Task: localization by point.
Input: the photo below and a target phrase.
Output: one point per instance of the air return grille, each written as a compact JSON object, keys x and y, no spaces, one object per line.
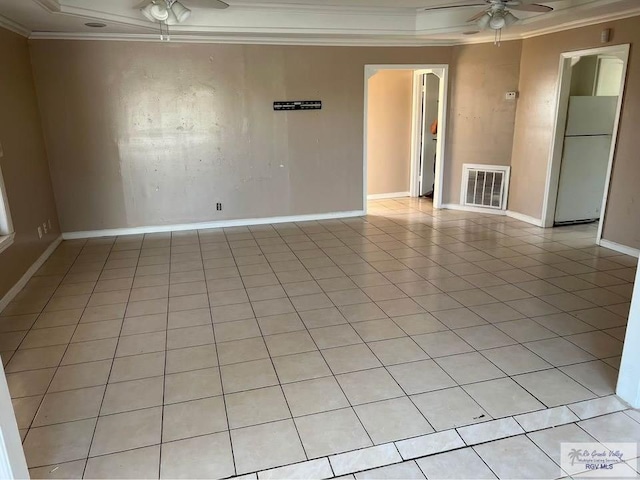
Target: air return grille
{"x":485,"y":186}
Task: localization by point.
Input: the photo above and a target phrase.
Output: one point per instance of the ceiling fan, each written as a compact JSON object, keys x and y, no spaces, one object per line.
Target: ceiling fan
{"x":172,"y":12}
{"x":498,"y":14}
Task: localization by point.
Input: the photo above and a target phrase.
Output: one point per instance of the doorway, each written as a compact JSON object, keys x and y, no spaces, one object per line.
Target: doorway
{"x":422,"y":158}
{"x":589,"y":100}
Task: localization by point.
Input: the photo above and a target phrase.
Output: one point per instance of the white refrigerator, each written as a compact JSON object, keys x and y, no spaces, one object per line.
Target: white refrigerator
{"x":585,"y":157}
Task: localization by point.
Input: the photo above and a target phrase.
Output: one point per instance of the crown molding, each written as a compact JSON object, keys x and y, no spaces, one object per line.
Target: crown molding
{"x":14,"y":27}
{"x":632,"y":12}
{"x":486,"y":39}
{"x":246,"y":40}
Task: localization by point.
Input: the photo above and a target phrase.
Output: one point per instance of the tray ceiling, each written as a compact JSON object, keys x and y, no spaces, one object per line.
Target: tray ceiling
{"x":363,"y":22}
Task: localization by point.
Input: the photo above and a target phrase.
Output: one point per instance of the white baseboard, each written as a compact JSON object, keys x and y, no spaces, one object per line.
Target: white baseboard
{"x":470,"y":208}
{"x":10,"y":295}
{"x":525,"y":218}
{"x":634,"y":252}
{"x":382,"y":196}
{"x":492,"y":211}
{"x":216,"y":224}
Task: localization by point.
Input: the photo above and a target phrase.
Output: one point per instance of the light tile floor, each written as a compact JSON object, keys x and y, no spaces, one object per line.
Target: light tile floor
{"x":321,"y":349}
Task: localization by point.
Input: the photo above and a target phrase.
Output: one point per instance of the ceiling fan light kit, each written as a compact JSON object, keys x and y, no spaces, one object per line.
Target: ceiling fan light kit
{"x":497,"y":21}
{"x":158,"y":12}
{"x":171,"y":19}
{"x":173,"y":12}
{"x":166,"y":11}
{"x":180,"y":11}
{"x":483,"y":23}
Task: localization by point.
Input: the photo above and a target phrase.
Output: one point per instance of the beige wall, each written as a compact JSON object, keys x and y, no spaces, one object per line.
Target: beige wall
{"x":480,"y":125}
{"x":151,"y":133}
{"x":534,"y":127}
{"x":24,"y":165}
{"x":389,"y":122}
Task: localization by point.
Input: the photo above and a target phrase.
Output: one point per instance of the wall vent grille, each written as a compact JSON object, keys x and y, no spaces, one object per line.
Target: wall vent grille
{"x":485,"y":186}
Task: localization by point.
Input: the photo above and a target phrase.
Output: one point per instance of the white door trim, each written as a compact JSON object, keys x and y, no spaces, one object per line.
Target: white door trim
{"x":557,"y":142}
{"x":442,"y":72}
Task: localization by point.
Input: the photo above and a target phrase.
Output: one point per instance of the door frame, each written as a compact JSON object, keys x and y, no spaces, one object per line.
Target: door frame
{"x":416,"y":127}
{"x":563,"y":87}
{"x":442,"y":72}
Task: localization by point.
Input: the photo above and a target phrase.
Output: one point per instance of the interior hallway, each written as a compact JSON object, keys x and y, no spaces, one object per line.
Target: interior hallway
{"x":216,"y":353}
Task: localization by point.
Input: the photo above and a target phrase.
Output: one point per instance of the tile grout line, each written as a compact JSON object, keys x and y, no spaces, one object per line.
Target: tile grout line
{"x":29,"y":428}
{"x":281,"y":389}
{"x":375,"y":356}
{"x":166,"y":350}
{"x":113,"y":360}
{"x":224,"y":399}
{"x":334,"y":376}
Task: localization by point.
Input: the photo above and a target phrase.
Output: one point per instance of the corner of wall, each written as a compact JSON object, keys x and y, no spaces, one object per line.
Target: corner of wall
{"x":25,"y":165}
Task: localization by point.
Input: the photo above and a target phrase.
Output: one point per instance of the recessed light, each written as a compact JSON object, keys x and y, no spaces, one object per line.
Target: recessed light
{"x":96,"y":25}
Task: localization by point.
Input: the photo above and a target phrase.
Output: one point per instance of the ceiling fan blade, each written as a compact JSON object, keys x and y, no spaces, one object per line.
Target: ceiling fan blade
{"x":461,"y":5}
{"x":217,"y":4}
{"x":471,"y":32}
{"x":477,"y":16}
{"x":143,"y":4}
{"x":531,"y":7}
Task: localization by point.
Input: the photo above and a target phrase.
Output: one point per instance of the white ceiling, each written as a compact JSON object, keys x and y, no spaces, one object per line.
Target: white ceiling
{"x":365,"y":22}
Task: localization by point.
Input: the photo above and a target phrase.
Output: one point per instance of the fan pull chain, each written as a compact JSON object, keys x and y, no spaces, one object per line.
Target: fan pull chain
{"x":163,"y":37}
{"x":497,"y":39}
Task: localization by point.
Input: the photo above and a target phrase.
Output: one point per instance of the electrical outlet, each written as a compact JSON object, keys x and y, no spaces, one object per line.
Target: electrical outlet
{"x":39,"y":232}
{"x":44,"y":227}
{"x":219,"y":207}
{"x":511,"y":95}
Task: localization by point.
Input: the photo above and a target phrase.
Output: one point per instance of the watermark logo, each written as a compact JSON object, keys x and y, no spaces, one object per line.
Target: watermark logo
{"x":613,"y":460}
